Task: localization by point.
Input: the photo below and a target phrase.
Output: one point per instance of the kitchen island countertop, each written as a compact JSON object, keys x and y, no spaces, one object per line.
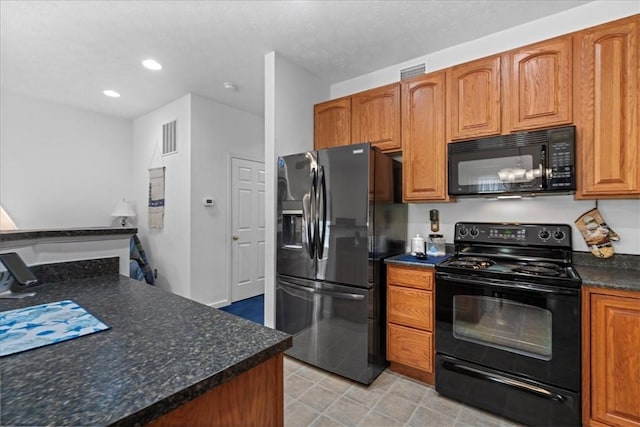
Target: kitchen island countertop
{"x":161,"y":351}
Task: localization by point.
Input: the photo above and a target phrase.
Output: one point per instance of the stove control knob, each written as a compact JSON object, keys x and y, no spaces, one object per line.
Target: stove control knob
{"x":474,"y":232}
{"x":559,"y":235}
{"x":543,"y":234}
{"x":462,"y":232}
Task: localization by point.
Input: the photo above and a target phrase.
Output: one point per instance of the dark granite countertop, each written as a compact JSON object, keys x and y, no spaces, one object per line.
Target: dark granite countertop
{"x":618,"y":272}
{"x":16,"y":235}
{"x":162,"y":350}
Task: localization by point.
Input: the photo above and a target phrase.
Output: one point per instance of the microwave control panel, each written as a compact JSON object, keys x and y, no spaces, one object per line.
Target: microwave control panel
{"x":562,"y":159}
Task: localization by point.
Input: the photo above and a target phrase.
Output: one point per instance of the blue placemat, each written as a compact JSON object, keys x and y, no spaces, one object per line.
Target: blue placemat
{"x":39,"y":325}
{"x":430,"y":260}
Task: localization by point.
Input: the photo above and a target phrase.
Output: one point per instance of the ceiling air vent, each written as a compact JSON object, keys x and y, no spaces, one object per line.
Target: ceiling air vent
{"x":169,"y":138}
{"x":416,"y":70}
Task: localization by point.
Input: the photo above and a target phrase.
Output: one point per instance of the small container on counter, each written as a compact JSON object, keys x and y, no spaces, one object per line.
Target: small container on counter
{"x":417,"y":245}
{"x":436,"y":245}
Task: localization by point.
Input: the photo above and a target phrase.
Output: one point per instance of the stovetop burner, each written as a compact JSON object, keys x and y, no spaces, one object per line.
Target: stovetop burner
{"x":475,"y":263}
{"x":533,"y":253}
{"x":538,"y":270}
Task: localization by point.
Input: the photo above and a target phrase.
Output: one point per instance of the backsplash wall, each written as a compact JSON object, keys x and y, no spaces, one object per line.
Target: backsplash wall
{"x":623,"y":216}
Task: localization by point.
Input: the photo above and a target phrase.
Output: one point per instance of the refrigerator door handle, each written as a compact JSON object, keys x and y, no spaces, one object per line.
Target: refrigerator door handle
{"x":310,"y":215}
{"x":350,"y":296}
{"x":322,"y":211}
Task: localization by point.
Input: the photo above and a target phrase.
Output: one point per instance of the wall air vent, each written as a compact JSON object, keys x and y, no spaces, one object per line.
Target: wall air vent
{"x":416,"y":70}
{"x":169,"y":138}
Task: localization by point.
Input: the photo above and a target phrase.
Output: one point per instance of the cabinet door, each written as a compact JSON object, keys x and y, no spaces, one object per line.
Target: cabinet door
{"x":376,"y":117}
{"x":332,"y":123}
{"x":539,"y":88}
{"x":608,"y":110}
{"x":410,"y":307}
{"x":423,"y":138}
{"x":615,"y":360}
{"x":411,"y":277}
{"x":410,"y":347}
{"x":474,"y":98}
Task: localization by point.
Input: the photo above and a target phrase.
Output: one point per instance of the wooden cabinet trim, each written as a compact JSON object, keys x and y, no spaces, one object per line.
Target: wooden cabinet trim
{"x":332,"y":123}
{"x":411,"y":347}
{"x":375,"y":117}
{"x":410,"y":307}
{"x":474,"y":99}
{"x":413,"y":277}
{"x":596,"y":399}
{"x":607,"y":95}
{"x":539,"y":86}
{"x":424,"y":139}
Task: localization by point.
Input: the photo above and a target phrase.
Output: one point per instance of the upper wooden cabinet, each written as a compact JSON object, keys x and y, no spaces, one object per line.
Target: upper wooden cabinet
{"x":538,"y":85}
{"x":375,"y":117}
{"x":332,"y":123}
{"x":423,"y":138}
{"x":473,"y":98}
{"x":608,"y":109}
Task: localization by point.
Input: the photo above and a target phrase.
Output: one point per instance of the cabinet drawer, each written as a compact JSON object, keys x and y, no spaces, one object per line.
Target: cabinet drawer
{"x":410,"y":307}
{"x":419,"y":278}
{"x":410,"y":347}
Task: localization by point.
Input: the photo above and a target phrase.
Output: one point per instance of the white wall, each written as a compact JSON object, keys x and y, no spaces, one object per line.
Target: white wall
{"x":60,"y":166}
{"x":575,"y":19}
{"x":217,"y":131}
{"x":622,"y":215}
{"x":290,"y":93}
{"x":169,"y":249}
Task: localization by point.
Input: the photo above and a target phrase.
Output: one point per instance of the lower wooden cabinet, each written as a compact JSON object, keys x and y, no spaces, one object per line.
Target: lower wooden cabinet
{"x":410,"y":340}
{"x":610,"y":357}
{"x":254,"y":398}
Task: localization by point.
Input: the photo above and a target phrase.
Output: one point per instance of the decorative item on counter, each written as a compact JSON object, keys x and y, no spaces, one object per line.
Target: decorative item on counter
{"x":123,"y":210}
{"x":436,"y":245}
{"x":434,"y":218}
{"x":597,"y":234}
{"x":417,"y":245}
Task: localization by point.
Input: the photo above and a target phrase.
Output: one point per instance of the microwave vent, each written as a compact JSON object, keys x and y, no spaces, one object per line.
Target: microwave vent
{"x":513,"y":140}
{"x":416,"y":70}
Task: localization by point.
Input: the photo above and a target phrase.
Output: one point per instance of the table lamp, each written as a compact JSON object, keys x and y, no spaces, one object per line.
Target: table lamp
{"x":123,"y":210}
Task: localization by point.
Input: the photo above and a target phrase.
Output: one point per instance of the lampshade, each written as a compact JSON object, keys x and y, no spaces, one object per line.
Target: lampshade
{"x":123,"y":209}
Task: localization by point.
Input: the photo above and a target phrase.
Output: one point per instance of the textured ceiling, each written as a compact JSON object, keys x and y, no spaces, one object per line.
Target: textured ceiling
{"x":70,"y":51}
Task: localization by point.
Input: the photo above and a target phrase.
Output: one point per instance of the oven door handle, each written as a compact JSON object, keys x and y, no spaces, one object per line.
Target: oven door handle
{"x":508,"y":284}
{"x":538,"y":391}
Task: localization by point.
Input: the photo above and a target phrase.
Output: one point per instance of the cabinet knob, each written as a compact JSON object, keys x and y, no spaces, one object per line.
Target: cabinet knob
{"x":235,"y":237}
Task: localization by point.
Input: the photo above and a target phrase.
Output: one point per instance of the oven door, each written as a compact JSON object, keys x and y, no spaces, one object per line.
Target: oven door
{"x":523,"y":329}
{"x":500,"y":169}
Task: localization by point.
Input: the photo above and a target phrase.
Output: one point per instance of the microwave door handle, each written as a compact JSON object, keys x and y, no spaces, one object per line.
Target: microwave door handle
{"x":545,"y":172}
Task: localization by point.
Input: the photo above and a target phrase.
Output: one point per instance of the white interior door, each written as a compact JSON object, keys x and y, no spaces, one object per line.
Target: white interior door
{"x":247,"y":227}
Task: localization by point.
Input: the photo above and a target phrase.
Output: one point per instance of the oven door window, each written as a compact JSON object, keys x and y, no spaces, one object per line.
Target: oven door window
{"x":503,"y":324}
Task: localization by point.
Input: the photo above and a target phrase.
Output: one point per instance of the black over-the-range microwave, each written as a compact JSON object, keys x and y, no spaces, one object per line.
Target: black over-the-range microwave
{"x":523,"y":163}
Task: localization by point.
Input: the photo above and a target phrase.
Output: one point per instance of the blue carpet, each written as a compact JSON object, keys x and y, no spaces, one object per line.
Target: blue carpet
{"x":250,"y":308}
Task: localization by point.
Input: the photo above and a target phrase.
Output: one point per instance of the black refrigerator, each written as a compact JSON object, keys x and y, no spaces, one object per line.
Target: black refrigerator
{"x":340,"y":214}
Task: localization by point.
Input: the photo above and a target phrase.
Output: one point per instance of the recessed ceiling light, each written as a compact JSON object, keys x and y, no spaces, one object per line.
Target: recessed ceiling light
{"x":229,"y":85}
{"x":152,"y":64}
{"x":111,"y":93}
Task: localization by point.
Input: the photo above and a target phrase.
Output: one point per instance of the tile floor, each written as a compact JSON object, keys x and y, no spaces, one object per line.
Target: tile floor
{"x":319,"y":399}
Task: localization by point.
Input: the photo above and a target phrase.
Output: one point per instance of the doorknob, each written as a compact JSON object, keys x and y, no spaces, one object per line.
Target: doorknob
{"x":235,"y":237}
